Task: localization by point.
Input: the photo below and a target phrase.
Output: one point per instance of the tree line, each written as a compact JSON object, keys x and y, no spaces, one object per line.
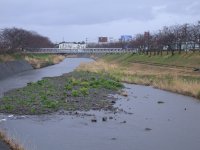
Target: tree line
{"x":172,"y":38}
{"x":15,"y":39}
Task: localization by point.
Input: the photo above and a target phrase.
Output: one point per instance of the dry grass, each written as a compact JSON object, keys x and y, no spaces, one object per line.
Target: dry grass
{"x":177,"y":80}
{"x":57,"y":58}
{"x":42,"y":62}
{"x":36,"y":60}
{"x":6,"y":58}
{"x":180,"y":86}
{"x":10,"y":142}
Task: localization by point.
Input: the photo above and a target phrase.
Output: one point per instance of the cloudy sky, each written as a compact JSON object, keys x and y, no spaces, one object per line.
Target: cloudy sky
{"x":76,"y":20}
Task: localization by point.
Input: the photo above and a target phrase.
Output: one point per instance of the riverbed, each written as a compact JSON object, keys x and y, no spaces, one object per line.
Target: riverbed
{"x":151,"y":119}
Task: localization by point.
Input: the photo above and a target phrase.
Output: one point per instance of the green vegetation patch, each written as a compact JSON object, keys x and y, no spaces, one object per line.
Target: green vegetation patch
{"x":73,"y":91}
{"x":40,"y":97}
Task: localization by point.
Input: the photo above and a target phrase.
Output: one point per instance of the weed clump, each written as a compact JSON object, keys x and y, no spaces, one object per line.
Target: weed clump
{"x":75,"y":93}
{"x":83,"y":84}
{"x":84,"y":91}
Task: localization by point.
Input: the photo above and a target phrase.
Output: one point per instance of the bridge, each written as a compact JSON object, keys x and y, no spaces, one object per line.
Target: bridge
{"x":78,"y":51}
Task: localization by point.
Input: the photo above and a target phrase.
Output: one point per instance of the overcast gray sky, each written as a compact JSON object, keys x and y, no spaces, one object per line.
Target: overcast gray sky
{"x":76,"y":20}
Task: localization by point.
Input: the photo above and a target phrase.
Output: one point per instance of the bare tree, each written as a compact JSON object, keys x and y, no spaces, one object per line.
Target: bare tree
{"x":14,"y":39}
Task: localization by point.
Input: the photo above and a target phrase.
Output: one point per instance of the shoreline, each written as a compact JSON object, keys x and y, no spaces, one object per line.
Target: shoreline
{"x":41,"y":61}
{"x":9,"y":142}
{"x":16,"y":63}
{"x":36,"y":60}
{"x":174,"y":80}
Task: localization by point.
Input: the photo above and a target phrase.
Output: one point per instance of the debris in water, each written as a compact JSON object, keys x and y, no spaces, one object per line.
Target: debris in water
{"x":94,"y":120}
{"x":110,"y":117}
{"x":104,"y":119}
{"x":160,"y":102}
{"x":113,"y":102}
{"x":124,"y":93}
{"x":123,"y":121}
{"x":148,"y":129}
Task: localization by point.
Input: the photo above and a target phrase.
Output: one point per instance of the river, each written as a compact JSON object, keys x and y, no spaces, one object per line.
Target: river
{"x":144,"y":124}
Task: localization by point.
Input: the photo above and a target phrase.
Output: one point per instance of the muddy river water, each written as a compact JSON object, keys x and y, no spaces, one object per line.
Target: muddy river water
{"x":152,"y":119}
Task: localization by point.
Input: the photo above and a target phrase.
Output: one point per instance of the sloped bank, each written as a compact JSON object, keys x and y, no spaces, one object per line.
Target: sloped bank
{"x":11,"y":64}
{"x":13,"y":67}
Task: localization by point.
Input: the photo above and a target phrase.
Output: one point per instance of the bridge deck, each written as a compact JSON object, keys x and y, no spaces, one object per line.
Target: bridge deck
{"x":78,"y":51}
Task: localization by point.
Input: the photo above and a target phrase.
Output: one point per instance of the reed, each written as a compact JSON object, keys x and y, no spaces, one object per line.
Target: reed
{"x":172,"y":79}
{"x":6,"y":58}
{"x":39,"y":62}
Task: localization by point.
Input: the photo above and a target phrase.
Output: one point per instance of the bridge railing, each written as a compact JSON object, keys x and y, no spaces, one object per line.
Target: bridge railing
{"x":77,"y":51}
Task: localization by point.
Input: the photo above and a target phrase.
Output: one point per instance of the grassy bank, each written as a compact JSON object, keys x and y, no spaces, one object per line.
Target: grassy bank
{"x":126,"y":68}
{"x":36,"y":60}
{"x":190,"y":59}
{"x":73,"y":91}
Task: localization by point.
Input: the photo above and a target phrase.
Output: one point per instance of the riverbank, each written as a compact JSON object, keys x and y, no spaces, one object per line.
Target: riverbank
{"x":184,"y":60}
{"x":13,"y":67}
{"x":7,"y":143}
{"x":145,"y":70}
{"x":12,"y":64}
{"x":36,"y":60}
{"x":43,"y":60}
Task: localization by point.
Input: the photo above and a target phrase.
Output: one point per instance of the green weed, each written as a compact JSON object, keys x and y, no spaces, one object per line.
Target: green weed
{"x":75,"y":93}
{"x":84,"y":91}
{"x":68,"y":87}
{"x":51,"y":104}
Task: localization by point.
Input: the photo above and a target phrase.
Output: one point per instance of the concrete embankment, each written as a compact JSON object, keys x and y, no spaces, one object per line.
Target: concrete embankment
{"x":12,"y":67}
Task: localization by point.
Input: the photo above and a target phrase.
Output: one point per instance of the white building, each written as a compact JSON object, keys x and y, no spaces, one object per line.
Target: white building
{"x":72,"y":45}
